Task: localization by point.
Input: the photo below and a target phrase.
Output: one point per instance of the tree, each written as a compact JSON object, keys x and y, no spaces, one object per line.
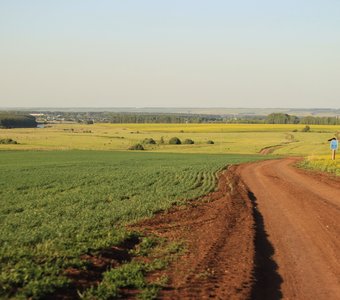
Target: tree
{"x":17,"y":121}
{"x":175,"y":141}
{"x":306,"y":129}
{"x":136,"y":147}
{"x":189,"y":142}
{"x":279,"y":118}
{"x":149,"y":141}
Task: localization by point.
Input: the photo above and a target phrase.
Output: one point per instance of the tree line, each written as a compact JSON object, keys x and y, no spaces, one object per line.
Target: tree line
{"x":17,"y":121}
{"x":274,"y":118}
{"x":168,"y":118}
{"x":279,"y":118}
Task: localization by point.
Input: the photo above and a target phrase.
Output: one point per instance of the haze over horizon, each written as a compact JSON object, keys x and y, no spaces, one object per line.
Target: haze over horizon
{"x":171,"y":107}
{"x":170,"y":54}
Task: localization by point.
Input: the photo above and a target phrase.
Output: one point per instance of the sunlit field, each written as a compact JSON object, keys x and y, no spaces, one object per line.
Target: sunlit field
{"x":56,"y":206}
{"x":228,"y":138}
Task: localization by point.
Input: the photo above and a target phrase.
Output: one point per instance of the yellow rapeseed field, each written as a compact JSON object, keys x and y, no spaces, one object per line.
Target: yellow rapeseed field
{"x":323,"y":163}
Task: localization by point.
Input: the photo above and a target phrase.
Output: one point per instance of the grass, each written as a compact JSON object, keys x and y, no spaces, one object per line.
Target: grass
{"x":56,"y":206}
{"x":133,"y":275}
{"x":322,"y":163}
{"x":228,"y":138}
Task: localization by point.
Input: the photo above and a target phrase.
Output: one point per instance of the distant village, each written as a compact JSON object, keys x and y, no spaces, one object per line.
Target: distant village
{"x":143,"y":117}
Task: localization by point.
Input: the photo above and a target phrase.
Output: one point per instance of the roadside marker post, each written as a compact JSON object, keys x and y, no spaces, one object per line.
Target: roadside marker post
{"x":334,"y":146}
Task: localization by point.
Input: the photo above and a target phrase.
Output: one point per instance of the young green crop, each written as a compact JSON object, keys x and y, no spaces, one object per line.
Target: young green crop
{"x":57,"y":205}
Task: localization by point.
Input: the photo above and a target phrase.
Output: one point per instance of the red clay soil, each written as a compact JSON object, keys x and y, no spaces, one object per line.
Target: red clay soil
{"x":269,"y":150}
{"x":271,"y":231}
{"x":219,"y":236}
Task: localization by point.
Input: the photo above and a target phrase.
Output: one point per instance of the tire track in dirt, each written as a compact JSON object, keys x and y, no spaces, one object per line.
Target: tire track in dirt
{"x":220,"y":235}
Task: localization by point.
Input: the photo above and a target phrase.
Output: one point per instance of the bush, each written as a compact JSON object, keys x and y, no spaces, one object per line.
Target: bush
{"x":306,"y":129}
{"x":189,"y":142}
{"x":8,"y":141}
{"x":210,"y":142}
{"x":149,"y":141}
{"x":136,"y":147}
{"x":175,"y":141}
{"x":290,"y":137}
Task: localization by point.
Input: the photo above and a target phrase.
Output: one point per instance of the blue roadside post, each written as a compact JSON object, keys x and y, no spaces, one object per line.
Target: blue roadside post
{"x":334,"y":146}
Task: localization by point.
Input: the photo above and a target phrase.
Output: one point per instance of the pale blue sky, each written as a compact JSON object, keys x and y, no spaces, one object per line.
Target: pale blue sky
{"x":196,"y":53}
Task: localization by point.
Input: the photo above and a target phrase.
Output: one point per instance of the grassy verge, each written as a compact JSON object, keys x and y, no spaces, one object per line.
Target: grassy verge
{"x":322,"y":163}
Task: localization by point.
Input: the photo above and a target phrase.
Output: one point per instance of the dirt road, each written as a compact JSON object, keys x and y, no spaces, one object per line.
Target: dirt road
{"x":270,"y":231}
{"x":300,"y":213}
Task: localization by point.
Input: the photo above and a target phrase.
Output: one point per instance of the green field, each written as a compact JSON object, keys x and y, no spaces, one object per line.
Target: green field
{"x":58,"y":205}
